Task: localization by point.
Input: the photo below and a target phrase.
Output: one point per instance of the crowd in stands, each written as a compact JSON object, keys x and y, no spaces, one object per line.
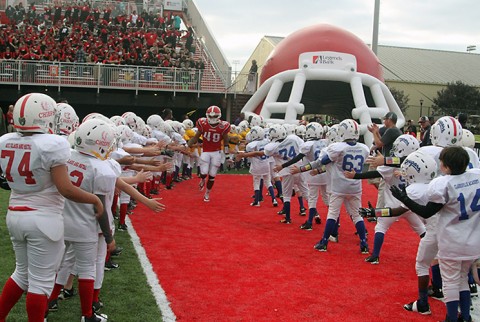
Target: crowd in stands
{"x":84,"y":34}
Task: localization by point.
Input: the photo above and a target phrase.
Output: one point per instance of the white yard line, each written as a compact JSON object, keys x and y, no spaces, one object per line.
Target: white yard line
{"x":158,"y":292}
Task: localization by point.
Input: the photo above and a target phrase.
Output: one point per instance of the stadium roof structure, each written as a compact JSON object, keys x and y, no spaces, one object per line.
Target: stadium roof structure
{"x":425,"y":66}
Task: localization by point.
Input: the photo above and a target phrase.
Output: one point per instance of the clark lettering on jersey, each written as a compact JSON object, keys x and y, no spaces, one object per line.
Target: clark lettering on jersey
{"x":20,"y":146}
{"x":77,"y":164}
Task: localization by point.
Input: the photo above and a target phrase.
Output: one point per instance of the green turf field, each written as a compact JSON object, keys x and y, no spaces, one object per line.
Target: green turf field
{"x":125,"y":293}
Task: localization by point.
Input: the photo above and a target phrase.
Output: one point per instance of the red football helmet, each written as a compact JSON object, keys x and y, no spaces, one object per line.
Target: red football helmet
{"x":213,"y":114}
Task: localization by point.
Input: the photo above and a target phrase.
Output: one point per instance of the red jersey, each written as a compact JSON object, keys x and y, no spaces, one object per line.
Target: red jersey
{"x":212,"y":135}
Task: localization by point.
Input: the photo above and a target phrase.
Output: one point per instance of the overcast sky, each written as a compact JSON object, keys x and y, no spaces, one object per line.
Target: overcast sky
{"x":238,"y":25}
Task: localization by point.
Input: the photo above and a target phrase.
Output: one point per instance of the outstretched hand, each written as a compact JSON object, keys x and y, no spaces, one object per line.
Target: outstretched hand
{"x":400,"y":194}
{"x":367,"y":212}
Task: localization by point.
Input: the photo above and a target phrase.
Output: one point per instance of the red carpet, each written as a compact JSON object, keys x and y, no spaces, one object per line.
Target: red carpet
{"x":227,"y":261}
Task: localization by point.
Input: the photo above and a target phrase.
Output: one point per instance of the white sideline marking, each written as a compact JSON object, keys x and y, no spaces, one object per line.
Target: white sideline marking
{"x":158,"y":292}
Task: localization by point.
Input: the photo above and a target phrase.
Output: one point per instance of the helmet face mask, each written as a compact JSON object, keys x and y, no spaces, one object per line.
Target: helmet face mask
{"x":35,"y":113}
{"x":468,"y":139}
{"x":213,"y":115}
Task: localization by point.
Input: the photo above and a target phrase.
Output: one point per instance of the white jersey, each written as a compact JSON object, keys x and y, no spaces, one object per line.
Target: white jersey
{"x":312,"y":150}
{"x":117,"y":155}
{"x":259,"y":165}
{"x":459,"y":219}
{"x":117,"y":169}
{"x":284,"y":151}
{"x":161,"y":137}
{"x":26,"y":162}
{"x":138,"y":139}
{"x":92,"y":175}
{"x":418,"y":193}
{"x":388,"y":174}
{"x":346,"y":157}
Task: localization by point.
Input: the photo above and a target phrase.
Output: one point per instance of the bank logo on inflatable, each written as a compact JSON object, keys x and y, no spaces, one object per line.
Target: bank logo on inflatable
{"x":321,"y":59}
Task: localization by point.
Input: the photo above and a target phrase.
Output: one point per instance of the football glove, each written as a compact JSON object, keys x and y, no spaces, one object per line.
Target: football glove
{"x":400,"y":194}
{"x":367,"y":212}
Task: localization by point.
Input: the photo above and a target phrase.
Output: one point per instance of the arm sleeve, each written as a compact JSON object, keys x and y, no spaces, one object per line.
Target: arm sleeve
{"x":297,"y":158}
{"x":367,"y":175}
{"x":104,"y":223}
{"x":426,"y":211}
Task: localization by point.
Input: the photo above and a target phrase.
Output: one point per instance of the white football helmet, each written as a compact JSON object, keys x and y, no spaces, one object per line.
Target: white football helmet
{"x":300,"y":130}
{"x":256,"y":133}
{"x":96,"y":138}
{"x":446,"y":131}
{"x":117,"y":120}
{"x":130,"y":119}
{"x":188,"y":123}
{"x":124,"y":133}
{"x":256,"y":120}
{"x":332,"y":134}
{"x":178,"y":127}
{"x":248,"y":137}
{"x":35,"y":112}
{"x":155,"y":121}
{"x":166,"y":128}
{"x":290,"y":128}
{"x":139,"y":125}
{"x":277,"y":132}
{"x":404,"y":145}
{"x":213,"y":115}
{"x":418,"y":168}
{"x":67,"y":120}
{"x":468,"y":139}
{"x":348,"y":130}
{"x":313,"y":131}
{"x":243,"y":126}
{"x":147,"y":131}
{"x":92,"y":116}
{"x":233,"y":128}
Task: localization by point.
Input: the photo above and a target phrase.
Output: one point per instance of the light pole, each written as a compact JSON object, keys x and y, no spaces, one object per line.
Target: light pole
{"x":235,"y":63}
{"x":421,"y":107}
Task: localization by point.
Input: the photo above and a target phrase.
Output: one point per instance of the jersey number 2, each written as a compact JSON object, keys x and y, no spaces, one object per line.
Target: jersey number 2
{"x":23,"y":166}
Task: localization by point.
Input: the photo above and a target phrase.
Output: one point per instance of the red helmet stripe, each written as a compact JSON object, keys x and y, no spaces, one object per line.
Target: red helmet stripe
{"x":454,"y":127}
{"x":22,"y":107}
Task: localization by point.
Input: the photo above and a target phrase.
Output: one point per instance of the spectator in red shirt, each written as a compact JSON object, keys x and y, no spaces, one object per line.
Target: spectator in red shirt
{"x":9,"y":116}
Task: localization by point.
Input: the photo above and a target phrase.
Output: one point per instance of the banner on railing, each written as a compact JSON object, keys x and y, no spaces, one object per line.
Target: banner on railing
{"x":174,"y":5}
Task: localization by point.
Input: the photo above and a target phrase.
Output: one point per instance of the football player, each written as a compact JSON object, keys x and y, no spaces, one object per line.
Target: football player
{"x":215,"y":133}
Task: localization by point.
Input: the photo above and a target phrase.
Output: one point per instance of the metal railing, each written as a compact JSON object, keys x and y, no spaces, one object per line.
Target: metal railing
{"x":104,"y":76}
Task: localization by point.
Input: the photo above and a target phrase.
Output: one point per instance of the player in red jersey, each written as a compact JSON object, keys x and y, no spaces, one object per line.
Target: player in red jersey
{"x":214,"y":131}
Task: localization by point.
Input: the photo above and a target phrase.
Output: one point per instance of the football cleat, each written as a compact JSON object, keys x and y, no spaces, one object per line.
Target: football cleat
{"x":473,"y":290}
{"x":285,"y":221}
{"x":374,"y":260}
{"x":318,"y":220}
{"x":275,"y":203}
{"x":255,"y":204}
{"x":321,"y":247}
{"x":436,"y":293}
{"x":303,"y":212}
{"x":416,"y":307}
{"x":53,"y":306}
{"x":95,"y":318}
{"x":333,"y":239}
{"x":364,"y":249}
{"x":206,"y":197}
{"x":122,"y":227}
{"x":281,"y":212}
{"x":306,"y":226}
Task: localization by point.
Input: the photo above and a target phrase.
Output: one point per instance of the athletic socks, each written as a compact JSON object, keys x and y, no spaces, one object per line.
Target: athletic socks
{"x":361,"y":232}
{"x":257,"y":197}
{"x":286,"y":208}
{"x":85,"y":290}
{"x":465,"y":300}
{"x":10,"y":295}
{"x":436,"y":276}
{"x":278,"y":185}
{"x":329,"y":226}
{"x":377,"y":244}
{"x":36,"y":304}
{"x":423,"y":296}
{"x":300,"y":202}
{"x":452,"y":310}
{"x":335,"y":229}
{"x":96,"y":295}
{"x":311,"y":213}
{"x":271,"y":192}
{"x":123,"y":213}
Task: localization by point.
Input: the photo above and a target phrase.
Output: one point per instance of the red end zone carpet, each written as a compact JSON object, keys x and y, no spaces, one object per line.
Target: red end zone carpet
{"x":227,"y":261}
